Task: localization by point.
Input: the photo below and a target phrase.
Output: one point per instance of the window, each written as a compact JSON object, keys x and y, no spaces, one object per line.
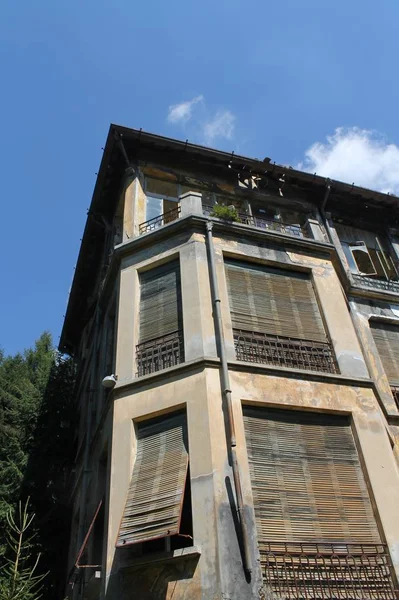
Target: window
{"x":362,"y":258}
{"x":158,"y":504}
{"x":276,"y":318}
{"x":386,"y":337}
{"x":317,"y":533}
{"x":161,"y":327}
{"x":367,"y":254}
{"x":162,"y":198}
{"x":306,"y":478}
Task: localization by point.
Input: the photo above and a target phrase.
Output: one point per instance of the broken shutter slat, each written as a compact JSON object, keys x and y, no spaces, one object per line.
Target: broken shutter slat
{"x":273,"y":301}
{"x":386,"y":337}
{"x":155,"y":498}
{"x":306,"y":478}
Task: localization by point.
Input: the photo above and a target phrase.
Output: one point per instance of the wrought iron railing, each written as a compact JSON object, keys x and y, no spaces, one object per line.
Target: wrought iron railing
{"x":376,"y":284}
{"x":298,"y":571}
{"x":282,"y":351}
{"x":156,"y":222}
{"x":160,"y":353}
{"x":267,"y":224}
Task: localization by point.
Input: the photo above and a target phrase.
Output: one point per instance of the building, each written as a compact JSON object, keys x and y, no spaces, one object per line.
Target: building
{"x":249,"y":448}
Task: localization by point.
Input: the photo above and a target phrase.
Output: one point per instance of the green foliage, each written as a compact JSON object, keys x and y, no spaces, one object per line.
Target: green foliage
{"x":18,"y":574}
{"x":228,"y":213}
{"x":23,"y":381}
{"x":36,"y":451}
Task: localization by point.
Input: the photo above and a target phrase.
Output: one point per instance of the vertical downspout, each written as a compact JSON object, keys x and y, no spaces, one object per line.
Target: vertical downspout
{"x":226,"y":392}
{"x":322,"y":211}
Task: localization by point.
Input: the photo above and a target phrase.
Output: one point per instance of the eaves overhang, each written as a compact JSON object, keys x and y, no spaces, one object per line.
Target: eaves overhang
{"x":106,"y":195}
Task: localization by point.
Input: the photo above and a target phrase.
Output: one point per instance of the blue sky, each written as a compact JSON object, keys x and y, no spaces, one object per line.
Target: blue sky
{"x":307,"y":83}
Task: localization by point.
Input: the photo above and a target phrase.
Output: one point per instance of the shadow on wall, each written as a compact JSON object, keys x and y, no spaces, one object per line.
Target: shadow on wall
{"x":161,"y":582}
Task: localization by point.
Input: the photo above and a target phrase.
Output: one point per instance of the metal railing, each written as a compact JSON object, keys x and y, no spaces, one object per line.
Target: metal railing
{"x":376,"y":284}
{"x":282,"y":351}
{"x":160,"y":353}
{"x":267,"y":224}
{"x":395,"y":394}
{"x":156,"y":222}
{"x":298,"y":571}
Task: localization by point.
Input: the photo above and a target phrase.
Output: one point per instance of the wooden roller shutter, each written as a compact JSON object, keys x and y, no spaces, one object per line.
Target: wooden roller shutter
{"x":155,"y":498}
{"x":273,"y":301}
{"x":160,"y":301}
{"x":306,"y":478}
{"x":386,"y":337}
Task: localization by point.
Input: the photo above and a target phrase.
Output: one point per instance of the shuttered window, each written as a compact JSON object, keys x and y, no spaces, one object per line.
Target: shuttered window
{"x":161,"y":331}
{"x":155,"y":498}
{"x":273,"y":301}
{"x":160,"y":301}
{"x":276,"y":318}
{"x":386,"y":337}
{"x":306,"y":478}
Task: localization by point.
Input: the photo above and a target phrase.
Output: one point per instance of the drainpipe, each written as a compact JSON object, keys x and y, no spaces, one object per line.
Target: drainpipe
{"x":322,"y":210}
{"x":226,"y":392}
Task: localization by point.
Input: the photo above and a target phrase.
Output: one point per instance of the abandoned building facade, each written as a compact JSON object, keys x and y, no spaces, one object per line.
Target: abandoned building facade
{"x":249,"y":446}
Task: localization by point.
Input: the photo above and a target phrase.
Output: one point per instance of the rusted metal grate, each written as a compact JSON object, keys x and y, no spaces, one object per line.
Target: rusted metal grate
{"x":297,"y":571}
{"x":267,"y":224}
{"x":156,"y":222}
{"x":160,"y":353}
{"x":395,"y":393}
{"x":283,"y":351}
{"x":376,"y":284}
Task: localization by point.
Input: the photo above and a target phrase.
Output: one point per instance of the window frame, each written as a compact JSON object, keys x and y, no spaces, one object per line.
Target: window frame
{"x":146,"y":545}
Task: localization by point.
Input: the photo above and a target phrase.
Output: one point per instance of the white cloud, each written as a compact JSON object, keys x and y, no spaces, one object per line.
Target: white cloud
{"x":356,"y":155}
{"x":205,"y":126}
{"x":220,"y":126}
{"x":181,"y":113}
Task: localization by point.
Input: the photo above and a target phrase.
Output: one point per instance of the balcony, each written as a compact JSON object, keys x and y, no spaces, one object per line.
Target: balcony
{"x":281,"y":351}
{"x":156,"y":222}
{"x":160,"y":353}
{"x":370,"y":283}
{"x":311,"y":231}
{"x":266,"y":224}
{"x":323,"y":571}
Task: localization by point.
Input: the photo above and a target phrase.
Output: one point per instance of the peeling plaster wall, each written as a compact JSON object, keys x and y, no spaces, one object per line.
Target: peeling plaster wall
{"x":362,"y":310}
{"x":218,"y":573}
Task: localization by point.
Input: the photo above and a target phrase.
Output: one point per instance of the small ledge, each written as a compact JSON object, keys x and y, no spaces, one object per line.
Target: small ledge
{"x":249,"y":367}
{"x":197,"y":363}
{"x":182,"y":554}
{"x":323,"y":377}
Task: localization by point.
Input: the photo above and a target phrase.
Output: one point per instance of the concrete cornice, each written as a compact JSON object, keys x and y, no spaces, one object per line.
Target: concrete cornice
{"x":123,"y":388}
{"x":197,"y":223}
{"x":212,"y":362}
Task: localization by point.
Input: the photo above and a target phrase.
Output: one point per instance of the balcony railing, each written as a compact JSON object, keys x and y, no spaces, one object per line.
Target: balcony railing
{"x":298,"y":571}
{"x":160,"y":353}
{"x":376,"y":284}
{"x":267,"y":224}
{"x":395,"y":394}
{"x":156,"y":222}
{"x":263,"y":348}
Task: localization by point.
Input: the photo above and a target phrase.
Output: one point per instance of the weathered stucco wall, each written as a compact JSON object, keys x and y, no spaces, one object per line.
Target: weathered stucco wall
{"x":217,"y":573}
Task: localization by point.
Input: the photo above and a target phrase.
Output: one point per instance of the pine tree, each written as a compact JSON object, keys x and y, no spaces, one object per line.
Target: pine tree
{"x":18,"y":575}
{"x":23,"y":381}
{"x":37,"y":432}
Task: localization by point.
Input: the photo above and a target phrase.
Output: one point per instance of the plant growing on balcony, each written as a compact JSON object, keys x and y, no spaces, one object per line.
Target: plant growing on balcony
{"x":227,"y":213}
